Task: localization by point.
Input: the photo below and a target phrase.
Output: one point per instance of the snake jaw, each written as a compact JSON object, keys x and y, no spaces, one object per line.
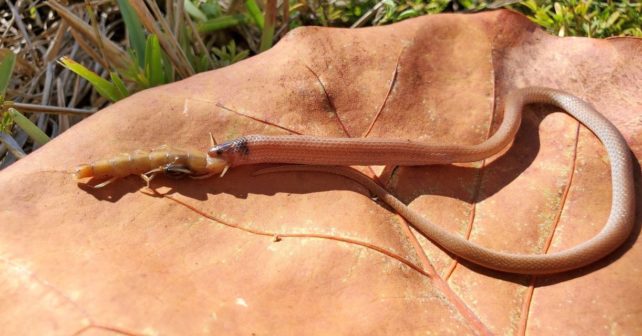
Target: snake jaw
{"x":216,"y":165}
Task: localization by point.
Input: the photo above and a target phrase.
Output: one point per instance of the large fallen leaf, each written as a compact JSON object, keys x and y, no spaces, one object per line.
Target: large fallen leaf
{"x":206,"y":257}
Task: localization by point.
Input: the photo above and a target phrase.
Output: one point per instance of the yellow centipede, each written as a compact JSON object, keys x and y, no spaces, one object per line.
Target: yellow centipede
{"x":164,"y":159}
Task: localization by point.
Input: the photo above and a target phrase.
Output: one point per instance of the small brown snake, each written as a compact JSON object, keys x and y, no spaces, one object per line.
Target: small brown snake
{"x":311,"y":150}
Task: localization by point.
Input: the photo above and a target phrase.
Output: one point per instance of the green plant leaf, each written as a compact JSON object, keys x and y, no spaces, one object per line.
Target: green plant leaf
{"x":222,"y":22}
{"x":211,"y":8}
{"x":103,"y":86}
{"x":255,"y":13}
{"x":7,"y":62}
{"x":228,"y":54}
{"x":153,"y":61}
{"x":267,"y":36}
{"x":612,"y":19}
{"x":194,"y":12}
{"x":134,"y":72}
{"x":5,"y":122}
{"x":119,"y":84}
{"x":408,"y":14}
{"x":29,"y":127}
{"x":135,"y":31}
{"x":170,"y":74}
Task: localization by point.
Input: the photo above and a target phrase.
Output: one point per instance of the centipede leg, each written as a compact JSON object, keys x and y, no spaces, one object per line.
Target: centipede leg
{"x":147,"y":179}
{"x":212,"y":140}
{"x":202,"y":177}
{"x":102,"y":184}
{"x":224,"y":171}
{"x":149,"y":176}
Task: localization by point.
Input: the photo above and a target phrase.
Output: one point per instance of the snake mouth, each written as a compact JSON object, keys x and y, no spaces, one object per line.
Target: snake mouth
{"x":215,"y":164}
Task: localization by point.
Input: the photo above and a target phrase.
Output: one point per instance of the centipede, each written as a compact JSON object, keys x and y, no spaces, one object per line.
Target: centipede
{"x":171,"y":161}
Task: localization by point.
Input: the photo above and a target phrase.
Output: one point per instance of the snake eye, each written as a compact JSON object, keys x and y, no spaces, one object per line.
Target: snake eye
{"x":219,"y":150}
{"x":215,"y":151}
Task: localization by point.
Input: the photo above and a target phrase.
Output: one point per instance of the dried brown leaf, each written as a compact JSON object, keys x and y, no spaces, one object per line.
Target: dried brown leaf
{"x":313,"y":254}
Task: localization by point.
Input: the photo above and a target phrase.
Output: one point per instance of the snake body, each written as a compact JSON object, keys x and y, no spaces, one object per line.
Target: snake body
{"x":310,"y":150}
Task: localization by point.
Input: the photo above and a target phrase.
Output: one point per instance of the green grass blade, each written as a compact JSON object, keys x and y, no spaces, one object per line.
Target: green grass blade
{"x":266,"y":38}
{"x":255,"y":13}
{"x":5,"y":121}
{"x":7,"y":62}
{"x":194,"y":12}
{"x":222,"y":22}
{"x":153,"y":61}
{"x":267,"y":35}
{"x":211,"y":9}
{"x":119,"y":84}
{"x":170,"y":74}
{"x":29,"y":127}
{"x":135,"y":72}
{"x":135,"y":30}
{"x":103,"y":86}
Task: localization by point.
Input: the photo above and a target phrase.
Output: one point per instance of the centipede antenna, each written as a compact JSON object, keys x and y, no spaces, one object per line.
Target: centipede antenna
{"x":212,"y":140}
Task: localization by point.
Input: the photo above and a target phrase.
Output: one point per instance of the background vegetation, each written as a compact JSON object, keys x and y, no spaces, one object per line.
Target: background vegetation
{"x":61,"y":61}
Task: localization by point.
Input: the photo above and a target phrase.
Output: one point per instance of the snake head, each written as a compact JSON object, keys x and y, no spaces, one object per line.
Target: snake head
{"x":230,"y":150}
{"x":221,"y":153}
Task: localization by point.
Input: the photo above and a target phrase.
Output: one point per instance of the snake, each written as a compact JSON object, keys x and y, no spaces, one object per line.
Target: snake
{"x":318,"y":153}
